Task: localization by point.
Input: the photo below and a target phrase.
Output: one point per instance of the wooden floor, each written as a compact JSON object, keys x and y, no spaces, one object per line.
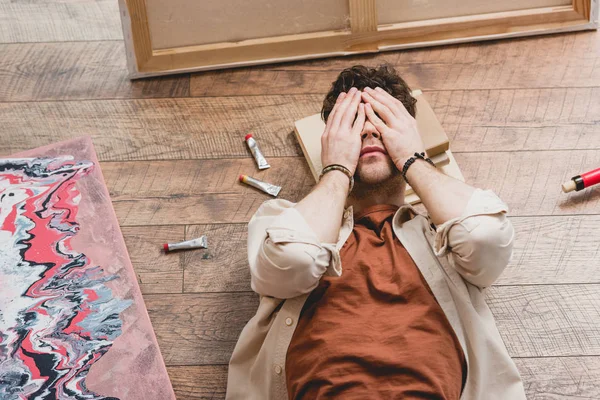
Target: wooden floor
{"x":522,"y":115}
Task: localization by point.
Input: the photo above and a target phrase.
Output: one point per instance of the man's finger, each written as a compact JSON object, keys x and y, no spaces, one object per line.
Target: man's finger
{"x":334,"y":111}
{"x":379,"y":108}
{"x":391,"y":100}
{"x":375,"y":120}
{"x":341,"y":108}
{"x":387,"y":100}
{"x":351,"y":110}
{"x":359,"y":123}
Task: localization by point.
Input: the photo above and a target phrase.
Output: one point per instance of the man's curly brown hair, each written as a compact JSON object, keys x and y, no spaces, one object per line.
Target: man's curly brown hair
{"x":359,"y":76}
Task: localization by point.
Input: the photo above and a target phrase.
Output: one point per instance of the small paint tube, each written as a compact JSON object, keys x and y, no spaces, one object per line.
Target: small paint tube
{"x":264,"y":186}
{"x":580,"y":182}
{"x":199,"y":243}
{"x":258,"y":156}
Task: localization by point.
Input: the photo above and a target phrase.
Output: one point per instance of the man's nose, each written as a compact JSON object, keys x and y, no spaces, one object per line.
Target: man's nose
{"x":372,"y":132}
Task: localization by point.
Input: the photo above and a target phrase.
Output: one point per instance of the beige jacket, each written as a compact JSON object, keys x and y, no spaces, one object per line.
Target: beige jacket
{"x":458,"y":260}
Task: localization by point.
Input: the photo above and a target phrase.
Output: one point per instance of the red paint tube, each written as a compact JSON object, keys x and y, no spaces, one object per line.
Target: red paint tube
{"x":199,"y":243}
{"x":582,"y":181}
{"x":258,"y":156}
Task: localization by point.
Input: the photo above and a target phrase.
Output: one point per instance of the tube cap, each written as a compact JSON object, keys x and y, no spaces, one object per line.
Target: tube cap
{"x":569,"y":186}
{"x":166,"y":247}
{"x":248,"y":136}
{"x":242,"y":178}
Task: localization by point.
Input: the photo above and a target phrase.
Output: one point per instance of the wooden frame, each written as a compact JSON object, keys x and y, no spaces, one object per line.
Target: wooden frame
{"x":364,"y":35}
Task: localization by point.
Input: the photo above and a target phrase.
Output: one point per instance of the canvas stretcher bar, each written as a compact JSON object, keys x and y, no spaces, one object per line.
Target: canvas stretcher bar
{"x":362,"y":33}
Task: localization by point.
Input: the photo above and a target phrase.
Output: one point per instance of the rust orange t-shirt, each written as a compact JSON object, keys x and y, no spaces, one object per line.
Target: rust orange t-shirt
{"x":377,"y":331}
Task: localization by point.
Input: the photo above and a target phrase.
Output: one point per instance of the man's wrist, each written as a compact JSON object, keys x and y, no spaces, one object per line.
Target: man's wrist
{"x":402,"y":160}
{"x":417,"y":168}
{"x":338,"y":180}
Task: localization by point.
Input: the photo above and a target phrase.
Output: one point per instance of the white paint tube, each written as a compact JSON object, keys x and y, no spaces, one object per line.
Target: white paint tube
{"x":258,"y":156}
{"x":264,"y":186}
{"x":199,"y":243}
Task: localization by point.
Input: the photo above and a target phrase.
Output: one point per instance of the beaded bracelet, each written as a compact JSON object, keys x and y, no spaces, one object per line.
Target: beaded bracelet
{"x":338,"y":167}
{"x":411,"y":160}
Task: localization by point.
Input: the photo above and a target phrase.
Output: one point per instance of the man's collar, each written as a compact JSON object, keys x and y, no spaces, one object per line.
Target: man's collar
{"x":405,"y":213}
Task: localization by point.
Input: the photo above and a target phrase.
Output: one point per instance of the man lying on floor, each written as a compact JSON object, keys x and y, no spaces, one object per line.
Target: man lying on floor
{"x":361,"y":296}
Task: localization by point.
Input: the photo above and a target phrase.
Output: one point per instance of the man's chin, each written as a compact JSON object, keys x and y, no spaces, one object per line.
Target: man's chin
{"x":369,"y":180}
{"x":372,"y":175}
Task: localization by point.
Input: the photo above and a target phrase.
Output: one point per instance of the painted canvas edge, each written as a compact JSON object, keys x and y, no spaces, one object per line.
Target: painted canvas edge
{"x":130,"y":269}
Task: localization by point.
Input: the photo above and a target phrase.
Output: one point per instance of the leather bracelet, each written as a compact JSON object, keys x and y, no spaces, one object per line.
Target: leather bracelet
{"x":338,"y":167}
{"x":411,"y":161}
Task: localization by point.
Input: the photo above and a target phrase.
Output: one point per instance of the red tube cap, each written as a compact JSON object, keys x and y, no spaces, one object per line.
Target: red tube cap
{"x":248,"y":136}
{"x":166,"y":247}
{"x":241,"y":178}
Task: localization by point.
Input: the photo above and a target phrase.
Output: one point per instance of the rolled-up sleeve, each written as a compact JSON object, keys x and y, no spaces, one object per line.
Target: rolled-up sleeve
{"x":479,"y":243}
{"x":286,"y":259}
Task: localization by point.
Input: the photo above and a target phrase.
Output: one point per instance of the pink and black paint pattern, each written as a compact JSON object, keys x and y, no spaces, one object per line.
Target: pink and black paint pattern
{"x":57,"y":315}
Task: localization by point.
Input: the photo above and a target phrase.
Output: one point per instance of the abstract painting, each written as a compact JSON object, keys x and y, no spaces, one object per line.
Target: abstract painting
{"x":73,"y":324}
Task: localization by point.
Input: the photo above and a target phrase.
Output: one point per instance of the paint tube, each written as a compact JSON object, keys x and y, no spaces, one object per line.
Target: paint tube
{"x":199,"y":243}
{"x":264,"y":186}
{"x":258,"y":156}
{"x":582,"y":181}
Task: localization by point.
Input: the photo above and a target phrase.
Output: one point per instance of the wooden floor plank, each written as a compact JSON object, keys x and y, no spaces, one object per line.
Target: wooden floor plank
{"x":196,"y":192}
{"x":76,"y":71}
{"x":262,"y":81}
{"x":534,"y":321}
{"x":507,"y":137}
{"x":156,"y":272}
{"x":574,"y":378}
{"x":532,"y":119}
{"x":223,"y":267}
{"x":570,"y":60}
{"x":205,"y":191}
{"x":199,"y":382}
{"x":554,"y":250}
{"x":199,"y":329}
{"x":544,"y":378}
{"x":517,"y":107}
{"x":554,"y":320}
{"x":161,"y":128}
{"x":58,"y":21}
{"x":511,"y":120}
{"x":185,"y":178}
